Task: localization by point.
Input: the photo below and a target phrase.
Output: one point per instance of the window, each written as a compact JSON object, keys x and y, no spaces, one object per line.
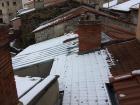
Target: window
{"x":1,"y":20}
{"x":2,"y":4}
{"x":14,"y":3}
{"x":0,"y":12}
{"x":7,"y":3}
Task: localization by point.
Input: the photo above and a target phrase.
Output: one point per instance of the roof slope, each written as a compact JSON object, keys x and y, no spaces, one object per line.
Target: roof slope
{"x":127,"y":88}
{"x":110,"y":4}
{"x":126,"y":72}
{"x":126,"y":57}
{"x":126,"y":6}
{"x":44,"y":51}
{"x":83,"y":78}
{"x":71,"y":14}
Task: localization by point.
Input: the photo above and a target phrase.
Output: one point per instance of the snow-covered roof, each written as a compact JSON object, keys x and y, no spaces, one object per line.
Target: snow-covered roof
{"x":83,"y":78}
{"x":110,"y":4}
{"x":135,"y":6}
{"x":44,"y":51}
{"x":25,"y":1}
{"x":15,"y":18}
{"x":24,"y":84}
{"x":30,"y":87}
{"x":25,"y":11}
{"x":126,"y":6}
{"x":30,"y":95}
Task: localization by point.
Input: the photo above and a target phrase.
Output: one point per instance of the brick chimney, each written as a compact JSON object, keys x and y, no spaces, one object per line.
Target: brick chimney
{"x":8,"y":93}
{"x":89,"y":36}
{"x":138,"y":26}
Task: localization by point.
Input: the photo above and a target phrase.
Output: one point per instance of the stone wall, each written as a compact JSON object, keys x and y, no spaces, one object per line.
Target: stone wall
{"x":60,"y":29}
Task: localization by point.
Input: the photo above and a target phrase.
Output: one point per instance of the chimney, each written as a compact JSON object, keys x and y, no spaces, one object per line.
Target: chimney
{"x":38,"y":4}
{"x":89,"y":36}
{"x":138,"y":26}
{"x":8,"y":93}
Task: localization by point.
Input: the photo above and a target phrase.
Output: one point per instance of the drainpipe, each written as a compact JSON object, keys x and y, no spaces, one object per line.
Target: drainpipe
{"x":138,"y":26}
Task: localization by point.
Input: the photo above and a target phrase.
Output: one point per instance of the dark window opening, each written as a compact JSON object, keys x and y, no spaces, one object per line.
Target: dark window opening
{"x":7,"y":3}
{"x":111,"y":93}
{"x":14,"y":3}
{"x":1,"y":20}
{"x":0,"y":12}
{"x":2,"y":4}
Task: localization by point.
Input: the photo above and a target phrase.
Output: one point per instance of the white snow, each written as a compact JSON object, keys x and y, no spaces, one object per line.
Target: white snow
{"x":110,"y":4}
{"x":126,"y":6}
{"x":26,"y":11}
{"x":25,"y":1}
{"x":136,"y":72}
{"x":23,"y":84}
{"x":83,"y":78}
{"x":44,"y":51}
{"x":136,"y":6}
{"x":50,"y":23}
{"x":122,"y":77}
{"x":36,"y":90}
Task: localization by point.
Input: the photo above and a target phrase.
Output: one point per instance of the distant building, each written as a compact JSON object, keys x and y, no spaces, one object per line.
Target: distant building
{"x":68,"y":22}
{"x":8,"y":9}
{"x":92,"y":2}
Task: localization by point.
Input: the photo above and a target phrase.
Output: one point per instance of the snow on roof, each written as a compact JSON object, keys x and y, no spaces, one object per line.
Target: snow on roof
{"x":28,"y":97}
{"x":26,"y":11}
{"x":24,"y":84}
{"x":126,"y":6}
{"x":48,"y":24}
{"x":44,"y":51}
{"x":136,"y":6}
{"x":83,"y":78}
{"x":110,"y":4}
{"x":15,"y":18}
{"x":25,"y":1}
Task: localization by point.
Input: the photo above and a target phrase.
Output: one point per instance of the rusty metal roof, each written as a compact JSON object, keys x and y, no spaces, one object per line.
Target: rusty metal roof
{"x":126,"y":56}
{"x":126,"y":78}
{"x":117,"y":33}
{"x":127,"y":89}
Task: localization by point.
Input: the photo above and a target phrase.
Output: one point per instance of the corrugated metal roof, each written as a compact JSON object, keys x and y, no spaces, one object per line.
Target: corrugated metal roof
{"x":126,"y":6}
{"x":44,"y":51}
{"x":127,"y":89}
{"x":126,"y":78}
{"x":126,"y":56}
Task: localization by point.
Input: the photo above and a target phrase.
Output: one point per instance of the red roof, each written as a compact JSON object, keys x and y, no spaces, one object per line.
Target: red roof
{"x":127,"y":88}
{"x":126,"y":74}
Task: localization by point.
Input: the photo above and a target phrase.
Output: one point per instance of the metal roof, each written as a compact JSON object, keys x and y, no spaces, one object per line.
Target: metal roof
{"x":44,"y":51}
{"x":83,"y":78}
{"x":125,"y":72}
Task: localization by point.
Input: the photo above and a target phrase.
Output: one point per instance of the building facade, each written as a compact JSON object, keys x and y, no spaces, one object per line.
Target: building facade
{"x":8,"y":9}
